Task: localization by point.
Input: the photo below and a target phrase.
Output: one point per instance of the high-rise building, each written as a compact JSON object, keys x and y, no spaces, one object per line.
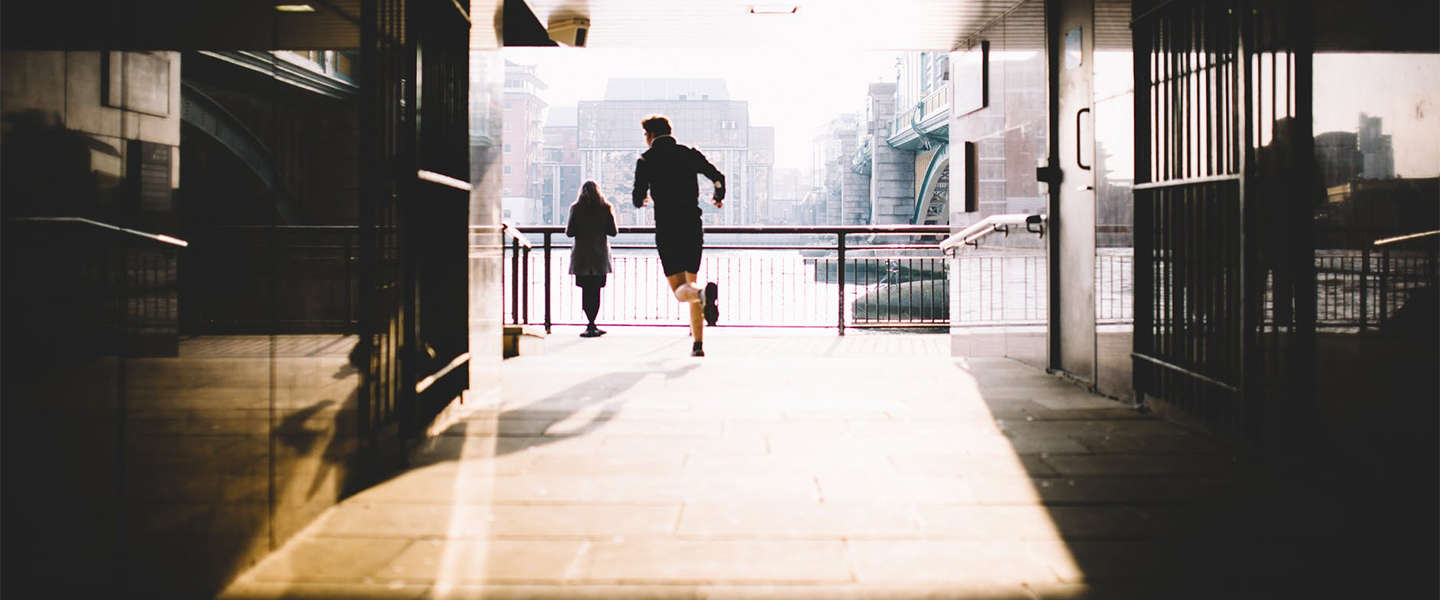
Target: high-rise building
{"x":559,"y":165}
{"x":789,"y":189}
{"x":703,"y":116}
{"x":524,"y":137}
{"x":1377,"y":149}
{"x":1338,"y":157}
{"x":761,"y":163}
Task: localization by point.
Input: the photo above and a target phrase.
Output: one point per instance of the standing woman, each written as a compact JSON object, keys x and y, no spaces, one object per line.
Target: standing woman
{"x":592,"y":223}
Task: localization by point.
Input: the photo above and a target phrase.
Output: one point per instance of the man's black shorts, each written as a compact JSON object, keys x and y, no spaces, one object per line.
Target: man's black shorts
{"x":679,"y":247}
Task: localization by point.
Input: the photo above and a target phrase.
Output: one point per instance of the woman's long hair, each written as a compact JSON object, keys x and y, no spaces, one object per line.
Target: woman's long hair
{"x":591,"y":199}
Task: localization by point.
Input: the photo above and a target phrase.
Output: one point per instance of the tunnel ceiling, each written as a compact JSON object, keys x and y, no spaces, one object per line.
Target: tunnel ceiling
{"x":862,"y":24}
{"x":179,"y":25}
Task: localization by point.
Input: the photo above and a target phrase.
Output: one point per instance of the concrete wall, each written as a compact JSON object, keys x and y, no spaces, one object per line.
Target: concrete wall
{"x":51,"y":98}
{"x":131,"y":469}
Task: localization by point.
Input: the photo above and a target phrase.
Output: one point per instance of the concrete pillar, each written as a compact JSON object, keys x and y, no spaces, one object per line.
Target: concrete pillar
{"x":892,"y":182}
{"x":854,"y":187}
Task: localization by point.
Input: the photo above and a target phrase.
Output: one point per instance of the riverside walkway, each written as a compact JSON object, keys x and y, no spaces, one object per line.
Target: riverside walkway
{"x":806,"y":465}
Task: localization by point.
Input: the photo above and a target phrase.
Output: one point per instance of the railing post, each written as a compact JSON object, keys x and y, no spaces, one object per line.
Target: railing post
{"x":515,"y":281}
{"x":840,"y":246}
{"x":350,"y":317}
{"x":1384,"y":283}
{"x":1364,"y":288}
{"x":525,"y":286}
{"x":547,"y":282}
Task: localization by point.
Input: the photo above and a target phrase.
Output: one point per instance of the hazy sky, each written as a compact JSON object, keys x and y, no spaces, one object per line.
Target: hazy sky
{"x":1401,"y":89}
{"x":792,"y":90}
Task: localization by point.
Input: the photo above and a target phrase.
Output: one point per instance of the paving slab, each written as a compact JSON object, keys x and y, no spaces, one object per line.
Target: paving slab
{"x":788,"y":465}
{"x":716,"y":560}
{"x":814,"y":520}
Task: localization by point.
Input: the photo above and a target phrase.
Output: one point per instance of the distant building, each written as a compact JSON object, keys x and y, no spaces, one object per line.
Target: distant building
{"x":703,"y":117}
{"x":523,"y":139}
{"x":836,"y":183}
{"x":1376,"y":148}
{"x":559,"y":165}
{"x":760,"y":167}
{"x":789,"y":189}
{"x":1357,"y":213}
{"x":1338,"y":157}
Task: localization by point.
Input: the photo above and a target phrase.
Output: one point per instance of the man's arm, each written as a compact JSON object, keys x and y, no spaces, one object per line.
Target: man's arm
{"x":703,"y":167}
{"x":642,"y":184}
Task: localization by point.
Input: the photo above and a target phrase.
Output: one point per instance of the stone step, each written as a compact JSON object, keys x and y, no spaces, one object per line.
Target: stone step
{"x":523,"y":339}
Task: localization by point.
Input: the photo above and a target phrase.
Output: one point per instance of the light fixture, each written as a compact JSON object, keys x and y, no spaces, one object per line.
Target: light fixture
{"x":774,"y":9}
{"x":294,"y":8}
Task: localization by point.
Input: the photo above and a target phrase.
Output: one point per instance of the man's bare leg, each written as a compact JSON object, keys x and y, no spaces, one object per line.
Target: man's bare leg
{"x":683,"y":285}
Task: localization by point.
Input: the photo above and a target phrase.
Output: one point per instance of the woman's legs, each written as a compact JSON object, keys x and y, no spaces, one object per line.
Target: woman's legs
{"x":590,"y":302}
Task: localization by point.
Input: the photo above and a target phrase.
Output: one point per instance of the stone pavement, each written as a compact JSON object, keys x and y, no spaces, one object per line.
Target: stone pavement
{"x":806,"y":465}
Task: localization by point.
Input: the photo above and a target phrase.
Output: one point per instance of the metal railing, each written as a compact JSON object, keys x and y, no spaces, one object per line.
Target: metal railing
{"x":934,"y":103}
{"x":266,"y":279}
{"x":815,"y":277}
{"x":1364,"y":288}
{"x":820,"y":277}
{"x":1007,"y":286}
{"x":77,"y":286}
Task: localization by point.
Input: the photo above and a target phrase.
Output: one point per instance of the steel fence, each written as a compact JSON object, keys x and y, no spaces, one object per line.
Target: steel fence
{"x":808,"y":277}
{"x":265,"y":279}
{"x":1362,"y":288}
{"x":860,"y":276}
{"x":1009,"y":287}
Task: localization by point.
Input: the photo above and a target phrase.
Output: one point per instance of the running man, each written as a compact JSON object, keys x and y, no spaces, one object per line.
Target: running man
{"x":667,"y":171}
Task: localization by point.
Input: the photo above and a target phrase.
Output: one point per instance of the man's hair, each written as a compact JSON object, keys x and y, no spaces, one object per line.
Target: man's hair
{"x":656,"y":125}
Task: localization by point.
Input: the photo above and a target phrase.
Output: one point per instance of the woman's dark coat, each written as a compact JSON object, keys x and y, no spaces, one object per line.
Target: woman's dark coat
{"x":590,"y":227}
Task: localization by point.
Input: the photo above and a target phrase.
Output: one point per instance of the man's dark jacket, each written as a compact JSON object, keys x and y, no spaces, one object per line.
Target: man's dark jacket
{"x":667,"y":171}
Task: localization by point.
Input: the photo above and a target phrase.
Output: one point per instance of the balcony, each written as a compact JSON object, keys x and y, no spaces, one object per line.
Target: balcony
{"x":922,"y":125}
{"x":327,"y":73}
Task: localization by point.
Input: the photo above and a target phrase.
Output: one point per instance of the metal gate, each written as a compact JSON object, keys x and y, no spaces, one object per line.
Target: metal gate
{"x":413,"y":211}
{"x":1224,"y":295}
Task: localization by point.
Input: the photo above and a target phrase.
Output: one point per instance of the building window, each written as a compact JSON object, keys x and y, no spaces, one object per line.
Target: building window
{"x":507,"y":170}
{"x":507,"y":147}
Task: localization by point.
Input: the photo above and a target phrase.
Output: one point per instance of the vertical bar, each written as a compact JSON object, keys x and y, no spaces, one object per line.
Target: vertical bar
{"x":840,"y":261}
{"x":1246,"y":343}
{"x":1364,"y":288}
{"x":1302,"y":240}
{"x":547,"y":281}
{"x":1186,"y":75}
{"x":515,"y":281}
{"x":1384,"y":285}
{"x":524,"y":279}
{"x":349,"y":279}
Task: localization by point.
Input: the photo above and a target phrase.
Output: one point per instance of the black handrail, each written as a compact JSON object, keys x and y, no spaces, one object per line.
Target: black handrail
{"x":839,"y":231}
{"x":153,"y":237}
{"x":1405,"y":238}
{"x":762,"y":229}
{"x":515,"y":233}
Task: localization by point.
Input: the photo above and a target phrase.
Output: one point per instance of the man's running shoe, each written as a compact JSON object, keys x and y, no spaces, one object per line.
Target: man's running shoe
{"x":712,"y":311}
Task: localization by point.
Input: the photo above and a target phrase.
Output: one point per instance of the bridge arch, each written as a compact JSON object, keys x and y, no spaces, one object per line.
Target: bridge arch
{"x":932,"y":201}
